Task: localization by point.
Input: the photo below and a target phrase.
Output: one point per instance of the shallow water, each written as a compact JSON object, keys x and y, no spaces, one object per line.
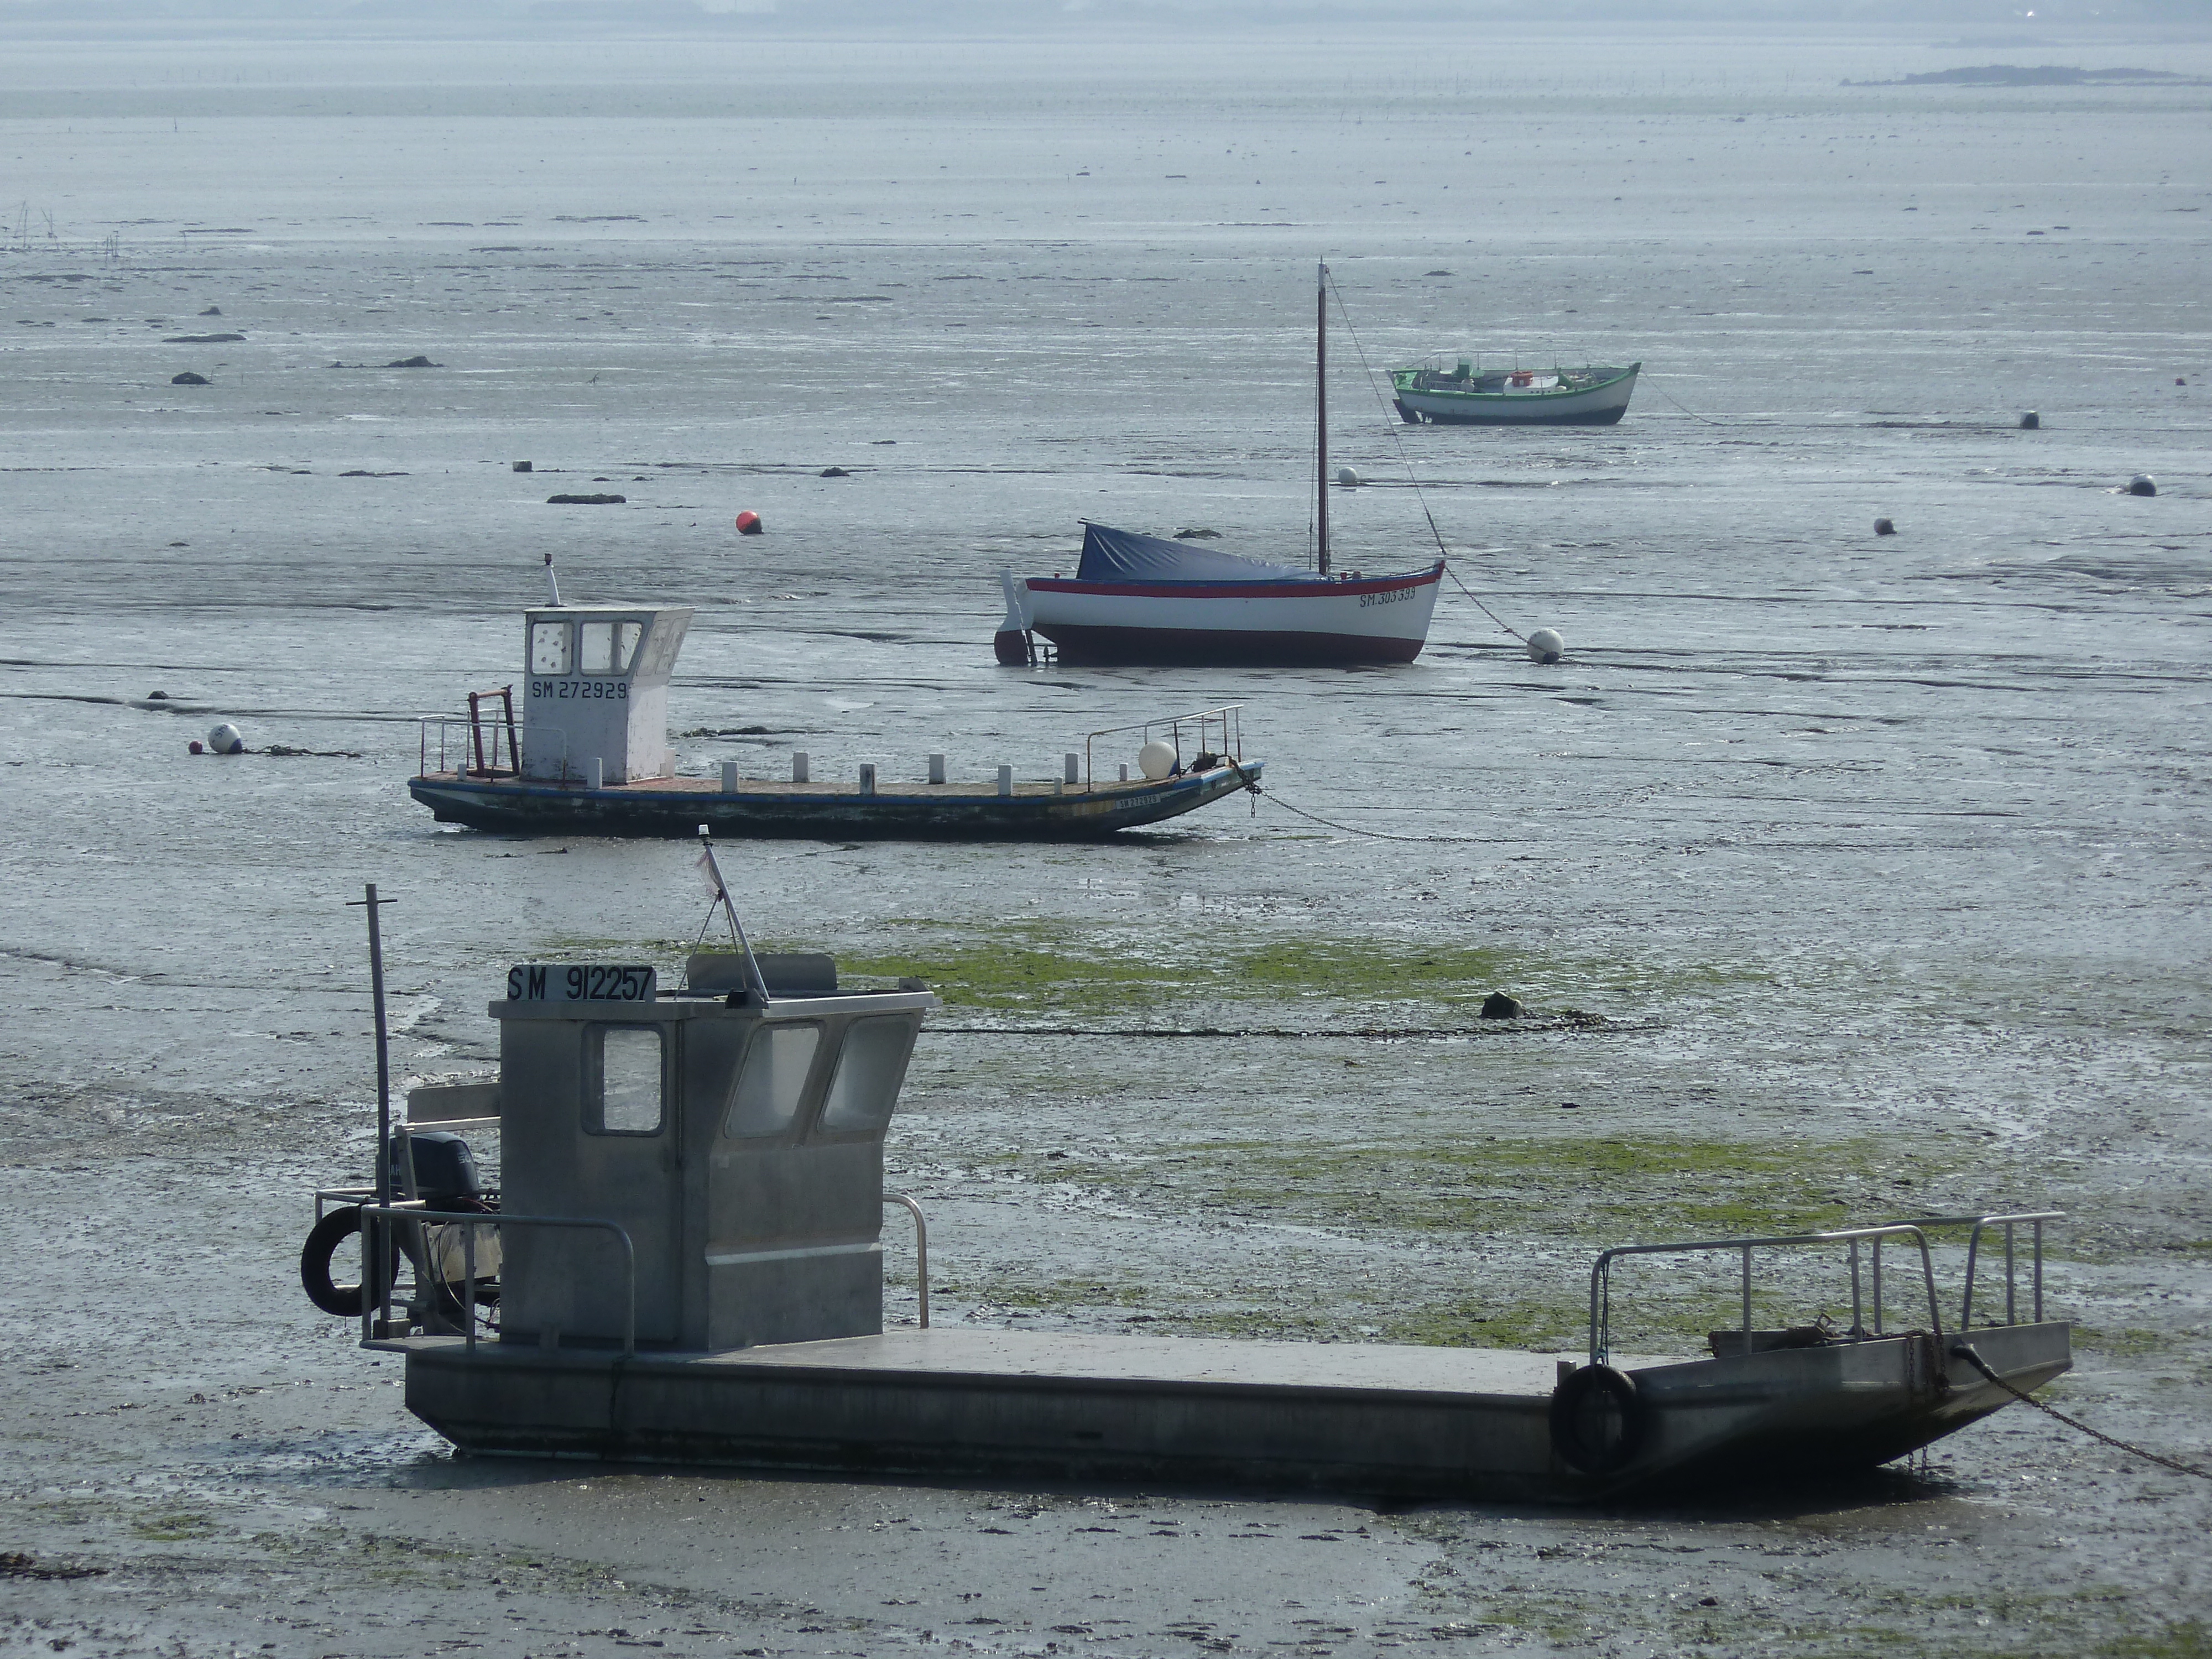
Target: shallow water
{"x":1884,"y":858}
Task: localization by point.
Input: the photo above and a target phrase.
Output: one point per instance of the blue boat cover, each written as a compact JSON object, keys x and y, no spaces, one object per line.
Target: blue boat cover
{"x":1122,"y":555}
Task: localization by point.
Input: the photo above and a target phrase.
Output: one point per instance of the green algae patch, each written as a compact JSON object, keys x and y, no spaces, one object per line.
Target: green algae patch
{"x":176,"y":1527}
{"x":2133,"y":1343}
{"x":1654,"y":1188}
{"x":1053,"y":968}
{"x":1537,"y":1326}
{"x":1008,"y":976}
{"x":2186,"y":1638}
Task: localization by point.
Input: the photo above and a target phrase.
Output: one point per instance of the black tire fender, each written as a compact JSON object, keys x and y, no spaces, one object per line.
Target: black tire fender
{"x":330,"y":1235}
{"x":1598,"y":1421}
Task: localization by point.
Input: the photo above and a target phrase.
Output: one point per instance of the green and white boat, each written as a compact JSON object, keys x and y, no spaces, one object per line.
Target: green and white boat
{"x":1468,"y":396}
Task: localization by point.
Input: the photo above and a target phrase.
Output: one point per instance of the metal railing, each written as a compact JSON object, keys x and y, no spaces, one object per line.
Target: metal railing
{"x":328,"y":1195}
{"x":1601,"y":1271}
{"x":372,"y":1247}
{"x":920,"y":1248}
{"x":1982,"y":1224}
{"x":486,"y":763}
{"x":458,"y":744}
{"x":1227,"y":720}
{"x":1600,"y":1330}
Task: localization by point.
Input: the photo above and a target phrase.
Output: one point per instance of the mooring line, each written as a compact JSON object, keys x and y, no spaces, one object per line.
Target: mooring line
{"x":1547,"y":1023}
{"x":1680,"y":404}
{"x":1479,"y":605}
{"x":1350,"y":829}
{"x":1965,"y":1352}
{"x":1398,"y":442}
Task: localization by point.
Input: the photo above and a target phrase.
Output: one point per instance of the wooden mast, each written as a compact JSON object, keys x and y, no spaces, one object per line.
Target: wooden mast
{"x":1321,"y":412}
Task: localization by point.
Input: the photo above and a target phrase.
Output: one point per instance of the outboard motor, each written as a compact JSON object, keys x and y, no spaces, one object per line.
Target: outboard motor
{"x":444,"y":1168}
{"x":438,"y":1167}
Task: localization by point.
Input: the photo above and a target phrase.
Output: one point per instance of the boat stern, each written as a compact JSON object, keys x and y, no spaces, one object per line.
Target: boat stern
{"x":1790,"y":1412}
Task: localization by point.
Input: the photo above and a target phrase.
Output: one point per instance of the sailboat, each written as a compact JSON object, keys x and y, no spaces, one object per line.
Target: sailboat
{"x":1138,"y":599}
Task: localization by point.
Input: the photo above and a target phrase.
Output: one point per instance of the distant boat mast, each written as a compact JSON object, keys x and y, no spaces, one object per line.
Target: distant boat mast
{"x":1321,"y":410}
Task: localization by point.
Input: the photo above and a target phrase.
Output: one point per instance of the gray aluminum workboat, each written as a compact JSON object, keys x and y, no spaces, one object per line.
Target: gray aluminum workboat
{"x":682,"y":1259}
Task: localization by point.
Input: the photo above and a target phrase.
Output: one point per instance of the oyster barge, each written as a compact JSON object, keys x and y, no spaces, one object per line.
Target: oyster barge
{"x":689,"y":1268}
{"x":590,"y":756}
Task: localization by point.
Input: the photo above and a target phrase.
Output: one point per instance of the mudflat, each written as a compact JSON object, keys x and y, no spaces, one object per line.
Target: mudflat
{"x":1843,"y":878}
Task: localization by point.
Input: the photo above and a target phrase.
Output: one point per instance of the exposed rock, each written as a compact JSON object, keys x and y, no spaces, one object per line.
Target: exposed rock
{"x":202,"y":339}
{"x":413,"y":362}
{"x":188,"y":379}
{"x":1498,"y":1005}
{"x":586,"y":501}
{"x":1197,"y":535}
{"x":834,"y":472}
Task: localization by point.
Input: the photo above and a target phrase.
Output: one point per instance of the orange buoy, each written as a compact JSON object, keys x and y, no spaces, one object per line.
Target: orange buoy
{"x":748,"y":523}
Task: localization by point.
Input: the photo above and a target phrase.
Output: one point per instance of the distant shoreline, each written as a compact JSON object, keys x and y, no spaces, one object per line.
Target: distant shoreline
{"x":2046,"y":75}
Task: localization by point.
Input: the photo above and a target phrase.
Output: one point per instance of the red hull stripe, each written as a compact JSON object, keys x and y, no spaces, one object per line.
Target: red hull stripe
{"x":1208,"y":648}
{"x":1313,"y":590}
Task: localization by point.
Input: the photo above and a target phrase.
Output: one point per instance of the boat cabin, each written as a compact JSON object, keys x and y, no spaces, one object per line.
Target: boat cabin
{"x":597,"y":707}
{"x":738,"y":1145}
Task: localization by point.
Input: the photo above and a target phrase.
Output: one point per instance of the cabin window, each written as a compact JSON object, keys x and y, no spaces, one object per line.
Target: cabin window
{"x":607,"y":647}
{"x":772,"y":1080}
{"x":870,"y":1068}
{"x":622,"y":1081}
{"x":595,"y":648}
{"x":549,"y":648}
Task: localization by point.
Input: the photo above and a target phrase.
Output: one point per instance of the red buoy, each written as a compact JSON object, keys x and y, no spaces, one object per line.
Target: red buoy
{"x":748,"y":523}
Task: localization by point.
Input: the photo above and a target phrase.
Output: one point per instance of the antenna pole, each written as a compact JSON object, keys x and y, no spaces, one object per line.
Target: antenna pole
{"x":1321,"y":410}
{"x":722,"y":891}
{"x":372,"y":905}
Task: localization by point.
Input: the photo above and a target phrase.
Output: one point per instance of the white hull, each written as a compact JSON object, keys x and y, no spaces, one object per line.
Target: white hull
{"x":1358,"y":620}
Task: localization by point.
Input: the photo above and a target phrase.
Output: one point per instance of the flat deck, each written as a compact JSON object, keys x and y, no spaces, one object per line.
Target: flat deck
{"x":1057,"y":1405}
{"x":1173,"y":1361}
{"x":1312,"y":1416}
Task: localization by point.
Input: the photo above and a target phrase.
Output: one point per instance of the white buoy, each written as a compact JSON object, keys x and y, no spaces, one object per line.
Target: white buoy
{"x":1155,"y":760}
{"x":1348,"y":478}
{"x":226,"y":739}
{"x":1544,"y":645}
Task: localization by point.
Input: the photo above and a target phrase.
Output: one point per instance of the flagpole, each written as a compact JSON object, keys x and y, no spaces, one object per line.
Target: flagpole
{"x":722,"y":891}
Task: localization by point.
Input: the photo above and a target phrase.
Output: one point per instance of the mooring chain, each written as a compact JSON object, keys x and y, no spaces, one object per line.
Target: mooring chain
{"x":1965,"y":1352}
{"x":1351,"y":829}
